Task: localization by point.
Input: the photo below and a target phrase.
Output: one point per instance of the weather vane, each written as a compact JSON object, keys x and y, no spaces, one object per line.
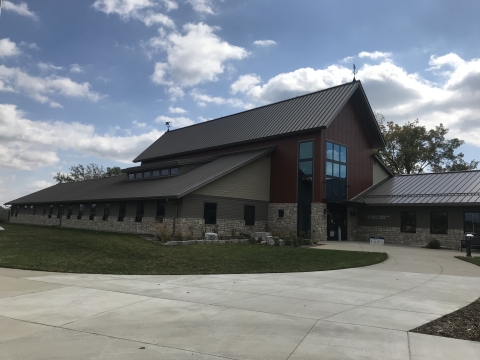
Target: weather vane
{"x":354,"y":72}
{"x":168,"y":125}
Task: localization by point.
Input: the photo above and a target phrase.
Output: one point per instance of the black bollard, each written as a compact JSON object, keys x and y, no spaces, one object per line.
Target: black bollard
{"x":468,"y":246}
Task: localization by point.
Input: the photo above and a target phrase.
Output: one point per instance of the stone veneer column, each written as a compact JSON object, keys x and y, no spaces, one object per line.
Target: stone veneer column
{"x":352,"y":223}
{"x":288,"y":223}
{"x":319,"y":222}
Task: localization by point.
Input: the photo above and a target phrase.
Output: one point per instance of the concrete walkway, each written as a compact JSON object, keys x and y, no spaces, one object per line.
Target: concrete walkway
{"x":362,"y":313}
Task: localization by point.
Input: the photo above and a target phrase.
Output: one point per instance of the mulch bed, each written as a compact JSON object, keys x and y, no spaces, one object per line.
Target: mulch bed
{"x":463,"y":324}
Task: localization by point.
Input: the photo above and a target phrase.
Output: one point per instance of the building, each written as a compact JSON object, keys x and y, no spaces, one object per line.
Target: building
{"x":303,"y":165}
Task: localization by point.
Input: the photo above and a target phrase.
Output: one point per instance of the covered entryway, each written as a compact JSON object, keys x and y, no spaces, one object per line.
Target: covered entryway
{"x":337,"y":222}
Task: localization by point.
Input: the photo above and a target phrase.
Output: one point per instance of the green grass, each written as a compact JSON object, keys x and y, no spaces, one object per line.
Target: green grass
{"x":82,"y":251}
{"x":473,"y":260}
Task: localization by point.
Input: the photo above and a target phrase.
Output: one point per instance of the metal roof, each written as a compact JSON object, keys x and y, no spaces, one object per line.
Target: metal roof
{"x":462,"y":187}
{"x":118,"y":187}
{"x":312,"y":111}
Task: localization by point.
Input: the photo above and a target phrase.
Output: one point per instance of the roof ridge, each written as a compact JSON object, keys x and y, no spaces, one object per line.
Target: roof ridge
{"x":264,"y":106}
{"x":439,"y":173}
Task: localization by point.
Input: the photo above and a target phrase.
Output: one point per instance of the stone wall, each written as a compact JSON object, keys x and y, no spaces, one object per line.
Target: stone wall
{"x":35,"y":220}
{"x":319,"y":222}
{"x":288,"y":223}
{"x":393,"y":235}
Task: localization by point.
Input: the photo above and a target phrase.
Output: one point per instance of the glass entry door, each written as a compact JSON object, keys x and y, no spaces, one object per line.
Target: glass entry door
{"x":337,"y":222}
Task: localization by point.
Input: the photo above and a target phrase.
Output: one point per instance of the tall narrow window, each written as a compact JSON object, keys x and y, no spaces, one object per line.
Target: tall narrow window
{"x":60,"y":211}
{"x":81,"y":207}
{"x":93,"y":211}
{"x":106,"y":211}
{"x":472,"y":223}
{"x":34,"y":209}
{"x":50,"y":211}
{"x":438,"y":222}
{"x":160,"y":209}
{"x":249,"y":215}
{"x":336,"y":172}
{"x":140,"y":211}
{"x":408,"y":221}
{"x":69,"y":211}
{"x":210,"y":213}
{"x":305,"y":186}
{"x":122,"y":210}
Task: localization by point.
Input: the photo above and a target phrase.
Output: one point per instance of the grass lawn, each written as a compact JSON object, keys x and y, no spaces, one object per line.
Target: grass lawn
{"x":82,"y":251}
{"x":473,"y":260}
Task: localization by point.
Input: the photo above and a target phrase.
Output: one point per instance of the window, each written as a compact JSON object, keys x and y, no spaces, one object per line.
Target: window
{"x":174,"y":171}
{"x":93,"y":210}
{"x":60,"y":211}
{"x":471,"y":223}
{"x":131,"y":176}
{"x":69,"y":211}
{"x":34,"y":209}
{"x":438,"y":222}
{"x":81,"y":207}
{"x":121,"y":211}
{"x":249,"y":215}
{"x":140,"y":211}
{"x":165,"y":172}
{"x":336,"y":172}
{"x":160,"y":209}
{"x":106,"y":211}
{"x":210,"y":213}
{"x":408,"y":221}
{"x":156,"y":173}
{"x":304,"y":185}
{"x":139,"y":175}
{"x":50,"y":211}
{"x":281,"y":213}
{"x":146,"y":174}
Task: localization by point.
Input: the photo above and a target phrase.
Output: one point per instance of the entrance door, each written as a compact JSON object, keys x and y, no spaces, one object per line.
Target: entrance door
{"x":337,"y":222}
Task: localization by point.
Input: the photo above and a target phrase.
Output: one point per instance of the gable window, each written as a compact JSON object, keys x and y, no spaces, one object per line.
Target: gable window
{"x":122,"y":210}
{"x":106,"y":211}
{"x":69,"y":211}
{"x":160,"y":209}
{"x":249,"y":215}
{"x":438,"y":222}
{"x":174,"y":171}
{"x":336,"y":172}
{"x":81,"y":207}
{"x":146,"y":174}
{"x":156,"y":173}
{"x":93,"y":211}
{"x":139,"y":175}
{"x":165,"y":172}
{"x":50,"y":211}
{"x":471,"y":223}
{"x":140,"y":212}
{"x":131,"y":176}
{"x":408,"y":221}
{"x":210,"y":213}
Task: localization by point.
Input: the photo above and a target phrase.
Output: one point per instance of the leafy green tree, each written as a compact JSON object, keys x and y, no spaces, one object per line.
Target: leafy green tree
{"x":412,"y":149}
{"x":81,"y":173}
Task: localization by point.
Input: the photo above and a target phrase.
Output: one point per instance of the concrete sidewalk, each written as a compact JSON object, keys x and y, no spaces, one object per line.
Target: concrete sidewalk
{"x":362,"y":313}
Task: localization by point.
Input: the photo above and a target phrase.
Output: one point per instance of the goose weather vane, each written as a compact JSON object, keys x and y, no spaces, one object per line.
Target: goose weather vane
{"x":354,"y":72}
{"x":168,"y":125}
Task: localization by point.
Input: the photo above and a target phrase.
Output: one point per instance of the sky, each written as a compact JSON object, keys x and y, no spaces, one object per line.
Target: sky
{"x":94,"y":81}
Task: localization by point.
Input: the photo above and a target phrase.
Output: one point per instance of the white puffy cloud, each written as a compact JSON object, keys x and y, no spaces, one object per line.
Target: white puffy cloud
{"x":176,"y":110}
{"x":8,"y":48}
{"x":175,"y":122}
{"x":30,"y":45}
{"x":264,"y":43}
{"x":28,"y":145}
{"x":42,"y":88}
{"x":245,"y":83}
{"x":374,"y":55}
{"x":20,"y":9}
{"x":137,"y":9}
{"x":196,"y":56}
{"x":202,"y":6}
{"x":48,"y":67}
{"x":75,"y":68}
{"x":203,"y":99}
{"x":40,"y":185}
{"x":175,"y":92}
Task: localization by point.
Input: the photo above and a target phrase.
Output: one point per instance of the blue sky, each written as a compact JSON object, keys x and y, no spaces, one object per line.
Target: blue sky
{"x":95,"y":80}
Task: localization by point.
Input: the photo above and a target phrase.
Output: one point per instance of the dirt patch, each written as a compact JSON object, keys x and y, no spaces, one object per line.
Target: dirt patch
{"x":462,"y":324}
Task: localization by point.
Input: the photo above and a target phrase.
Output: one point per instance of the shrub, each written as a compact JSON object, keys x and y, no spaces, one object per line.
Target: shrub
{"x":276,"y":241}
{"x":251,"y":239}
{"x":234,"y":234}
{"x":259,"y":240}
{"x":433,"y":244}
{"x":163,"y":234}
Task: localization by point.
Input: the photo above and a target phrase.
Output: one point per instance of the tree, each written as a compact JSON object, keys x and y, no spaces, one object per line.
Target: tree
{"x":411,"y":148}
{"x":92,"y":171}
